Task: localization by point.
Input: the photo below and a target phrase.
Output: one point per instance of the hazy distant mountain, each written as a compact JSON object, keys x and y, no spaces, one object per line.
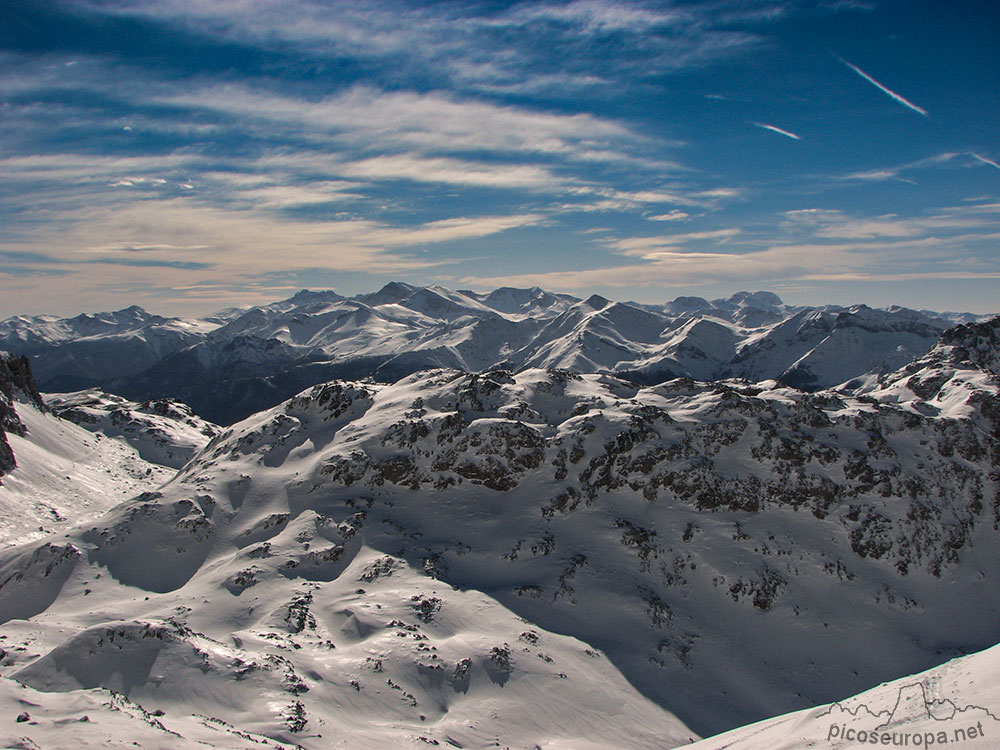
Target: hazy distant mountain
{"x":71,"y":353}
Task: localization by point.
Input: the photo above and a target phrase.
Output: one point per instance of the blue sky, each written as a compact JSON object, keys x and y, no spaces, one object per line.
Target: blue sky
{"x":188,"y":155}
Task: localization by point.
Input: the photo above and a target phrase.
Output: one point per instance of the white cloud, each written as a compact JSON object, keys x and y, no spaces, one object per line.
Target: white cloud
{"x":675,"y":215}
{"x":236,"y":242}
{"x":598,"y":198}
{"x":779,"y":131}
{"x":884,"y":89}
{"x":471,"y":47}
{"x":661,"y":246}
{"x":599,"y":15}
{"x":829,"y":224}
{"x":454,"y":172}
{"x":432,"y":122}
{"x":828,"y":245}
{"x":284,"y":196}
{"x":894,"y":173}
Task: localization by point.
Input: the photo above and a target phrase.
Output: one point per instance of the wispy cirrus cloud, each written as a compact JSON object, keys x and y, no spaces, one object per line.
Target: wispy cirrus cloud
{"x":984,"y":160}
{"x":398,"y":136}
{"x":166,"y":249}
{"x":454,"y":172}
{"x":807,"y":262}
{"x":188,"y":231}
{"x":885,"y":89}
{"x":831,"y":224}
{"x":476,"y":47}
{"x":669,"y":245}
{"x":434,"y":121}
{"x":879,"y":174}
{"x":821,"y":245}
{"x":675,"y":215}
{"x":779,"y":131}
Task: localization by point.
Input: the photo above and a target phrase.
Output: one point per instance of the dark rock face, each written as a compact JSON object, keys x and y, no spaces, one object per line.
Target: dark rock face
{"x":16,"y":381}
{"x":974,"y":345}
{"x":7,"y":461}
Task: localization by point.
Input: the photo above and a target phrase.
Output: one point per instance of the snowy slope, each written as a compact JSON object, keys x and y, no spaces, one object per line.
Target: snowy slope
{"x":53,"y":473}
{"x":365,"y":652}
{"x":65,"y":474}
{"x":957,"y":703}
{"x":163,"y":431}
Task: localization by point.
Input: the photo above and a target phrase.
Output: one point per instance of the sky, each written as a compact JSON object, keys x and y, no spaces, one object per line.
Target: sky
{"x":191,"y":155}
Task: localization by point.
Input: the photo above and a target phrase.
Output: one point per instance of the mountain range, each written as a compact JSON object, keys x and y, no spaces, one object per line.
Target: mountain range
{"x":571,"y":556}
{"x":237,"y":362}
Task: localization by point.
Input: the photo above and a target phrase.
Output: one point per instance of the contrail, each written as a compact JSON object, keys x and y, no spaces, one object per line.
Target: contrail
{"x":774,"y":129}
{"x":984,"y":160}
{"x":905,"y":102}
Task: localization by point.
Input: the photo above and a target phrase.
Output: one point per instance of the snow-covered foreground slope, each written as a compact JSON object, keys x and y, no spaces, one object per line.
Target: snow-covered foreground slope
{"x":956,"y":704}
{"x":65,"y":474}
{"x":734,"y":551}
{"x":53,"y":473}
{"x":358,"y":650}
{"x":241,"y":361}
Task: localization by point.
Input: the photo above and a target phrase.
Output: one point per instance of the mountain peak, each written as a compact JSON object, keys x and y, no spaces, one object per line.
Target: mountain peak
{"x":597,"y":302}
{"x":397,"y":288}
{"x":392,"y":293}
{"x":756,"y":298}
{"x":307,"y":296}
{"x":976,"y":344}
{"x":683,"y":304}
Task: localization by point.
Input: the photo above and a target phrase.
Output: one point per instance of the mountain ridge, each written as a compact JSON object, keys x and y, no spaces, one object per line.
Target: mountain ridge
{"x":233,"y":364}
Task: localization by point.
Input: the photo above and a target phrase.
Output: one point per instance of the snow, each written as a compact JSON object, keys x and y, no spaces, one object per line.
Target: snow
{"x":65,"y":474}
{"x":526,"y":559}
{"x":958,"y":698}
{"x":163,"y":432}
{"x":382,"y":656}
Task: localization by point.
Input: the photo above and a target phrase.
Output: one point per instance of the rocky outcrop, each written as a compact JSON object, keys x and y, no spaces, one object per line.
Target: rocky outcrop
{"x":16,"y":382}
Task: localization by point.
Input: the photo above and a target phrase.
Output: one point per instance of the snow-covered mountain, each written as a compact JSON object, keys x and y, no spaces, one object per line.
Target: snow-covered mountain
{"x":342,"y":645}
{"x":71,"y":353}
{"x":163,"y":431}
{"x":950,"y":380}
{"x":54,"y":473}
{"x":535,"y":558}
{"x":235,"y":363}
